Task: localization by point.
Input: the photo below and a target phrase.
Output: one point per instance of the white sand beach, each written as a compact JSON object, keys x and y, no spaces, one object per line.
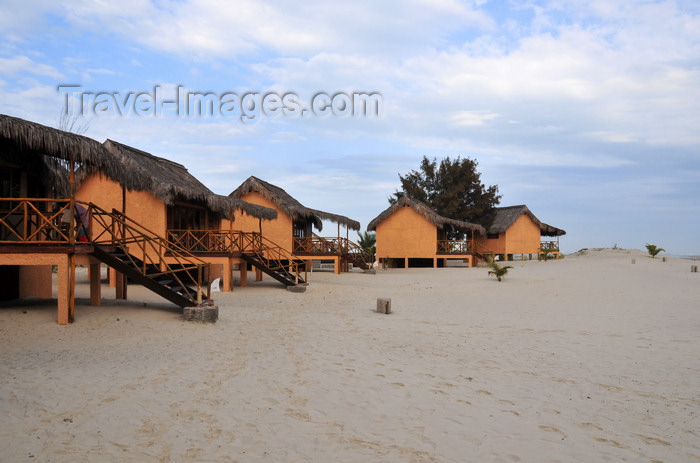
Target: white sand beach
{"x":586,"y":359}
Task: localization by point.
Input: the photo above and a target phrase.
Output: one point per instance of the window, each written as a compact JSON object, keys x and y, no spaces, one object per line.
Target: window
{"x":183,"y":216}
{"x":492,"y":236}
{"x":301,"y":229}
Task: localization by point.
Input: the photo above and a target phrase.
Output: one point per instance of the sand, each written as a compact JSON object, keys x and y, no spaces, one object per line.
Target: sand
{"x":586,"y":359}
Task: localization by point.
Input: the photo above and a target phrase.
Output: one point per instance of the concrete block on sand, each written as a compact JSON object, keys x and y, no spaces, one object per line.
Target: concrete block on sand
{"x":296,"y":289}
{"x":384,"y":305}
{"x":208,"y":314}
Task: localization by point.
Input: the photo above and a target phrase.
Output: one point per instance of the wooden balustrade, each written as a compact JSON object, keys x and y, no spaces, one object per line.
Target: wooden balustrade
{"x":45,"y":221}
{"x":551,"y":245}
{"x":454,"y":247}
{"x":37,"y":221}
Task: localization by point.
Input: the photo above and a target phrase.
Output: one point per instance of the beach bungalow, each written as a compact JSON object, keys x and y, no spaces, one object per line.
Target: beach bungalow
{"x":292,"y":230}
{"x":43,"y":227}
{"x":411,"y":234}
{"x":164,"y":197}
{"x":515,"y":231}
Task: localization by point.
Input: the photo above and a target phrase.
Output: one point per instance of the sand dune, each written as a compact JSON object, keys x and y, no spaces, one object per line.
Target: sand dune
{"x":587,"y":359}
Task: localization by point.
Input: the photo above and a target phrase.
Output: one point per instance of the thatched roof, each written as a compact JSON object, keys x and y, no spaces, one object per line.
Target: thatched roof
{"x":502,"y":218}
{"x":289,"y":205}
{"x":21,"y":136}
{"x":170,"y":181}
{"x":423,"y":209}
{"x":548,"y":230}
{"x":130,"y":167}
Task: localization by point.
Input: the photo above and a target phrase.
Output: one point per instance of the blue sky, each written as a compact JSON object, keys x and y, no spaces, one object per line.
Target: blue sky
{"x":585,"y":111}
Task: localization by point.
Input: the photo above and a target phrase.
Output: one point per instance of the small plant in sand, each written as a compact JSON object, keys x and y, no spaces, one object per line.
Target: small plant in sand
{"x":498,"y":271}
{"x":545,"y":253}
{"x":653,"y":250}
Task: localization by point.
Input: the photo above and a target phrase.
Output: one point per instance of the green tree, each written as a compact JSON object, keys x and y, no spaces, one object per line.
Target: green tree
{"x":653,"y":250}
{"x":368,"y":242}
{"x":453,"y":189}
{"x":498,"y":271}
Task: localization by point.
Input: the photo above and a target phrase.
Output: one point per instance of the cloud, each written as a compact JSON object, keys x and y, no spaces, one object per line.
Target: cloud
{"x":22,"y":65}
{"x":215,"y":29}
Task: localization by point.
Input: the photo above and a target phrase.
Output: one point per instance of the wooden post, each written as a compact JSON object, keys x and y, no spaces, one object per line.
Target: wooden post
{"x":71,"y":214}
{"x":71,"y":288}
{"x":243,"y":266}
{"x":121,"y":286}
{"x":63,"y":317}
{"x":95,"y":284}
{"x":227,"y":283}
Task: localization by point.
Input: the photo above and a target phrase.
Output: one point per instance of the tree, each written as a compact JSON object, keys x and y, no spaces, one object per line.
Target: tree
{"x":453,"y":189}
{"x":69,"y":122}
{"x":368,"y":242}
{"x":498,"y":271}
{"x":653,"y":250}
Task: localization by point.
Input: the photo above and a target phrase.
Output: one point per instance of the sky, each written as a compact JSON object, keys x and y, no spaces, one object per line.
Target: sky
{"x":587,"y":112}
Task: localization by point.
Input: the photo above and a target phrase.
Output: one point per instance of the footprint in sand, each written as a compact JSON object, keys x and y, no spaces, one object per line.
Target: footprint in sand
{"x":653,"y":440}
{"x":591,"y":426}
{"x":551,"y":429}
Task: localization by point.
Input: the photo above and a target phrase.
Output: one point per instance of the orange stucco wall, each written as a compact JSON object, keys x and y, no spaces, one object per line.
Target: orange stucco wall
{"x":35,"y":281}
{"x":141,"y":206}
{"x":278,"y":231}
{"x":522,"y":237}
{"x":406,"y":233}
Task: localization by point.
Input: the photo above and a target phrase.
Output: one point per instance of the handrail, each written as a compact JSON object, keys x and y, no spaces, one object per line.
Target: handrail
{"x":43,"y":221}
{"x":34,"y":220}
{"x":331,"y":247}
{"x":481,"y":249}
{"x":550,"y":245}
{"x":455,"y":247}
{"x":316,"y":245}
{"x":202,"y":241}
{"x":276,"y":255}
{"x":119,"y":230}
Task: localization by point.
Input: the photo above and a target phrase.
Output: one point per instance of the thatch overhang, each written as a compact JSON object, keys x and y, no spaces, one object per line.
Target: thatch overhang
{"x":289,"y":205}
{"x":548,"y":230}
{"x":19,"y":137}
{"x":170,"y":181}
{"x":501,"y":218}
{"x":430,"y":215}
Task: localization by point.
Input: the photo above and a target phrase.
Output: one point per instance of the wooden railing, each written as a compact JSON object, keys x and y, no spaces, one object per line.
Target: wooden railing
{"x":278,"y":258}
{"x":550,"y":245}
{"x":229,"y":242}
{"x":317,"y":245}
{"x":455,"y":247}
{"x":213,"y":241}
{"x":41,"y":221}
{"x":37,"y":221}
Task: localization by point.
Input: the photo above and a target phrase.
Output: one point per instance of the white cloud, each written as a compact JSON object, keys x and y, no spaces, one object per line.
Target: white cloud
{"x":22,"y":65}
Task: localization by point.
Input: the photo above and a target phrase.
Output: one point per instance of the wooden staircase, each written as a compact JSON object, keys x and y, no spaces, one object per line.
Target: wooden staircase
{"x":354,"y":254}
{"x":483,"y":253}
{"x":275,"y":261}
{"x":170,"y":285}
{"x":139,"y":253}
